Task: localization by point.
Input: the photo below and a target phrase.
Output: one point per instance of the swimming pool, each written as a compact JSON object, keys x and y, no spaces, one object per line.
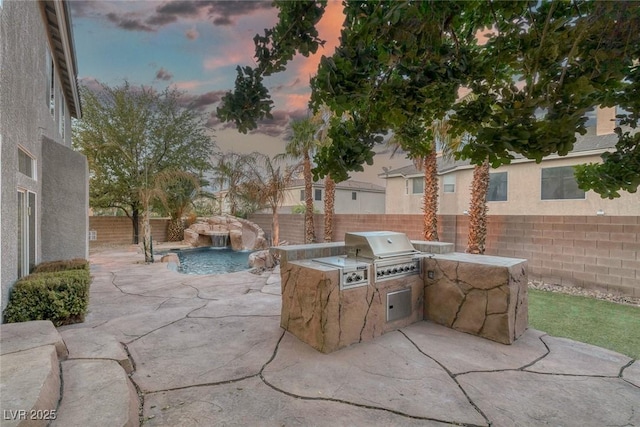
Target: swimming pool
{"x":212,"y":260}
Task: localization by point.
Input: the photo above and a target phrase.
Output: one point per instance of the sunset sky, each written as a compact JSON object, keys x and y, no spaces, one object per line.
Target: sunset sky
{"x":196,"y":46}
{"x":192,"y":45}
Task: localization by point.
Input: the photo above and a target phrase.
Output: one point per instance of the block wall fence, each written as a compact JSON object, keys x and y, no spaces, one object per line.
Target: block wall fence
{"x":119,"y":229}
{"x":589,"y":251}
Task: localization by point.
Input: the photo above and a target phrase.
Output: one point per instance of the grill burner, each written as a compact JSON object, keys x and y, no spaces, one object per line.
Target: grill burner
{"x":352,"y":272}
{"x":400,"y":267}
{"x":391,"y":255}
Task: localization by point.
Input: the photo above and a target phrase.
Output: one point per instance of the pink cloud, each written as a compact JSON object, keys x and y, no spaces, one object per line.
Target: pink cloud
{"x":293,"y":101}
{"x":225,"y":59}
{"x":329,"y":30}
{"x":189,"y":84}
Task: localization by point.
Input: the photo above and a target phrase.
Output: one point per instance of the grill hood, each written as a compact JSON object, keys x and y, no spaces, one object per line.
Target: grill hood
{"x":377,"y":244}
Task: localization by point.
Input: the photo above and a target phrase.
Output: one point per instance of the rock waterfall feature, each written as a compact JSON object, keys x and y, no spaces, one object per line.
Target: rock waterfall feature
{"x":225,"y":230}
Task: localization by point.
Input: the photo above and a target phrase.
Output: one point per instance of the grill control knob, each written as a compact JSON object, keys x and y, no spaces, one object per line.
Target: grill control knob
{"x":358,"y":277}
{"x":349,"y":279}
{"x":395,"y":270}
{"x":406,"y":268}
{"x":388,"y":271}
{"x":413,"y":267}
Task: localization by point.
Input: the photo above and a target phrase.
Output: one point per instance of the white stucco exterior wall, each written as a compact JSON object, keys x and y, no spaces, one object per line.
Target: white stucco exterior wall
{"x":523,"y":193}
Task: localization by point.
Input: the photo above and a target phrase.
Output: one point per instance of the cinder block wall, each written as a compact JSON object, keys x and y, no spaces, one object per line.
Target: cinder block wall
{"x":588,"y":251}
{"x":118,"y":229}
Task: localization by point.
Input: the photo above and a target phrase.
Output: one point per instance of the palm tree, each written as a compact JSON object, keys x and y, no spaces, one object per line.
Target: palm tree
{"x":322,"y":120}
{"x":478,"y":209}
{"x":180,"y":197}
{"x":430,"y":198}
{"x":427,"y":163}
{"x":158,"y":191}
{"x":267,"y":184}
{"x":477,"y":234}
{"x":329,"y":207}
{"x":230,"y":172}
{"x":301,"y":146}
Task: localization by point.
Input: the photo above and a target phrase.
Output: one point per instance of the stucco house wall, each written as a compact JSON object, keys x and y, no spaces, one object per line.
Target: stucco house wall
{"x":524,"y":188}
{"x":524,"y":193}
{"x":65,"y":205}
{"x":369,"y":198}
{"x":26,"y":124}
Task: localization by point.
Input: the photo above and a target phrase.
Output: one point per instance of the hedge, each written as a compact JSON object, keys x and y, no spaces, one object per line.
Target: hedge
{"x":59,"y":296}
{"x":72,"y":264}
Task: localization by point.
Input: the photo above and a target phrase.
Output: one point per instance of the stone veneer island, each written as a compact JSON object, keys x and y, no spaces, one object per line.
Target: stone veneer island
{"x":315,"y":309}
{"x":478,"y":294}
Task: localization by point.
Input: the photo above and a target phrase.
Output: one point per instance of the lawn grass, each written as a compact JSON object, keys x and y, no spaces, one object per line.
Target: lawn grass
{"x":602,"y":323}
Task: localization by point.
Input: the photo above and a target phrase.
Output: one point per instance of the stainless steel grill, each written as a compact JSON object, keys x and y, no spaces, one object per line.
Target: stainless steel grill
{"x":376,"y":245}
{"x":376,"y":255}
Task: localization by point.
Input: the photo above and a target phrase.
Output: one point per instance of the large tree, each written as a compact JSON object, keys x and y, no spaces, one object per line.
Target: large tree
{"x":131,"y":134}
{"x":536,"y":68}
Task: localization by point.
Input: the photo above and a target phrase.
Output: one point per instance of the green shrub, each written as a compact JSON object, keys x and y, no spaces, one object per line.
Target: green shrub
{"x":301,"y":208}
{"x":72,"y":264}
{"x":59,"y":296}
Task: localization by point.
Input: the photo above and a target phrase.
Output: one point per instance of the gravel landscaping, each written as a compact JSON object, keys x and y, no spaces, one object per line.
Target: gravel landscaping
{"x":591,"y":293}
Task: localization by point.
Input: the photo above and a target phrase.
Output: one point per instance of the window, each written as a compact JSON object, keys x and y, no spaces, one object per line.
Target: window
{"x":449,"y":183}
{"x":26,"y":232}
{"x":61,"y":117}
{"x":318,"y":194}
{"x":302,"y":195}
{"x":26,"y":163}
{"x":497,"y":191}
{"x":51,"y":84}
{"x":560,"y":184}
{"x":354,"y":195}
{"x":414,"y":185}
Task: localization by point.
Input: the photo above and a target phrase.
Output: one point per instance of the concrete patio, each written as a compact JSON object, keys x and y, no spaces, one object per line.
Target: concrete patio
{"x":208,"y":351}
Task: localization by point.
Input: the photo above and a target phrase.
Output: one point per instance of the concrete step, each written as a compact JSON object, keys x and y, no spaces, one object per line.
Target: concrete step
{"x":96,"y":393}
{"x":30,"y":372}
{"x":26,"y":335}
{"x":30,"y":386}
{"x":89,"y":343}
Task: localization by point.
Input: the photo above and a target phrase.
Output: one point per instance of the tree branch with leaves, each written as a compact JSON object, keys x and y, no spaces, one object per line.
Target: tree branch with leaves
{"x":130,"y":135}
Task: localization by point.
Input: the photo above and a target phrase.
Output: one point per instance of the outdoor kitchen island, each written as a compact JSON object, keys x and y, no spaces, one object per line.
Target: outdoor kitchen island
{"x":338,"y":294}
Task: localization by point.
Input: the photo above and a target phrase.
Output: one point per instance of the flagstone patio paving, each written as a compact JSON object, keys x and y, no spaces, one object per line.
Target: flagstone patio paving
{"x":208,"y":350}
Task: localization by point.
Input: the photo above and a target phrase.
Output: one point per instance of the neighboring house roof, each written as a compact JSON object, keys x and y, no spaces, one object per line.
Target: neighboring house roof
{"x":586,"y":144}
{"x":344,"y":185}
{"x":58,"y":20}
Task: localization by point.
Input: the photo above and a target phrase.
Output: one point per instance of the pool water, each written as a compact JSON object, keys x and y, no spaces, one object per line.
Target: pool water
{"x":212,"y":260}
